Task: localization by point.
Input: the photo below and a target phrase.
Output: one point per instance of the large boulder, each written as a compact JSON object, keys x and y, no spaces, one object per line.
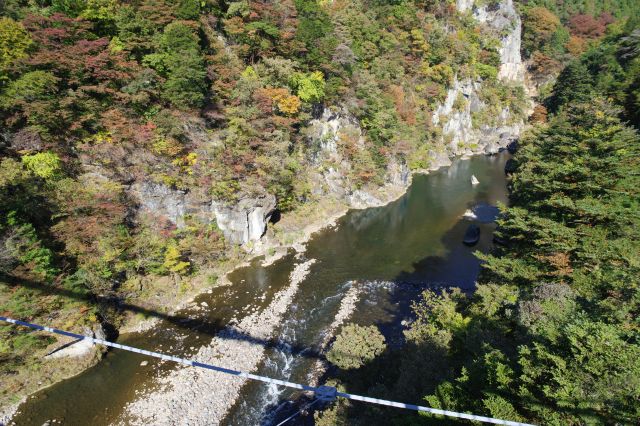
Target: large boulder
{"x":245,"y":220}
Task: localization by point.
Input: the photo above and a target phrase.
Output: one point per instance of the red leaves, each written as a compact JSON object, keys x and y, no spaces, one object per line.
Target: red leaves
{"x":587,"y":26}
{"x":89,"y":73}
{"x":65,"y":46}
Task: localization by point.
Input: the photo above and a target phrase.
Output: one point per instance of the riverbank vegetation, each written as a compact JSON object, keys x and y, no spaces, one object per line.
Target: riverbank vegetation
{"x":101,"y":98}
{"x":551,"y":334}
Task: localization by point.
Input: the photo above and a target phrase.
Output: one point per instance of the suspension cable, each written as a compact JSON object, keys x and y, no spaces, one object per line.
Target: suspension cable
{"x":322,"y":393}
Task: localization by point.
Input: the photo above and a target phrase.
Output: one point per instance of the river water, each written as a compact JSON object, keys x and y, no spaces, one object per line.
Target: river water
{"x":391,"y":252}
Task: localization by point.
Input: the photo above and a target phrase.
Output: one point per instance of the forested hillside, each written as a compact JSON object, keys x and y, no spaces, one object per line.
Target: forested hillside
{"x":551,"y":335}
{"x":135,"y":133}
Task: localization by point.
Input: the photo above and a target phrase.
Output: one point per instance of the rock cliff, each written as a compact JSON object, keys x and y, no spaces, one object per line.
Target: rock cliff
{"x":240,"y":222}
{"x":332,"y":172}
{"x":455,"y":116}
{"x":331,"y":175}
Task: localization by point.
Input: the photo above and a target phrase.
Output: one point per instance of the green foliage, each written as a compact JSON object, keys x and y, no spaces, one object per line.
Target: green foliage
{"x":24,"y":245}
{"x":180,"y":61}
{"x":573,"y":85}
{"x":566,"y":9}
{"x":189,"y":9}
{"x":100,"y":10}
{"x":356,"y":346}
{"x":309,"y":87}
{"x":46,"y":165}
{"x":173,"y":260}
{"x":614,"y":67}
{"x":315,"y":32}
{"x":29,"y":87}
{"x":14,"y":42}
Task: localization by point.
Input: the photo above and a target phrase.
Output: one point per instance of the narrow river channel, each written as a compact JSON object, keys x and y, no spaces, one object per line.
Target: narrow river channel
{"x":391,"y":252}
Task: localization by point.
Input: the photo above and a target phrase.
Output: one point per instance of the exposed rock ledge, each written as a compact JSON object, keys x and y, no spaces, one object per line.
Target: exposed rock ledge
{"x":240,"y":223}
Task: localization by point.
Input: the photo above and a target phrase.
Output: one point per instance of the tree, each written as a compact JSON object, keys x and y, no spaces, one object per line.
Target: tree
{"x":179,"y":59}
{"x":46,"y":165}
{"x":14,"y":42}
{"x":356,"y":346}
{"x":315,"y":33}
{"x":173,"y":259}
{"x":539,"y":26}
{"x":586,"y":26}
{"x":574,"y":85}
{"x":309,"y":87}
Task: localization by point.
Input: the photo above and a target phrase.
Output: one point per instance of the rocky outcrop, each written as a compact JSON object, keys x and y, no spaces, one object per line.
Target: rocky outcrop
{"x":456,"y":120}
{"x":504,"y":19}
{"x":332,"y":171}
{"x":240,"y":222}
{"x":245,"y":220}
{"x":455,"y":115}
{"x":160,"y":200}
{"x":464,"y":5}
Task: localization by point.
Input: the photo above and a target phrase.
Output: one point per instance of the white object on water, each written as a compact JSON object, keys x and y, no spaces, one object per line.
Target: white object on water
{"x":474,"y":180}
{"x":469,"y":214}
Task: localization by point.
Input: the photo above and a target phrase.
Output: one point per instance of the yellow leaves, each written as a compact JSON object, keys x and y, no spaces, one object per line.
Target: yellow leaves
{"x":173,"y":259}
{"x":46,"y":165}
{"x":418,"y":43}
{"x":100,"y":137}
{"x":249,"y":73}
{"x":284,"y":101}
{"x":169,"y":147}
{"x":14,"y":42}
{"x":186,"y":162}
{"x":440,"y":73}
{"x":289,"y":104}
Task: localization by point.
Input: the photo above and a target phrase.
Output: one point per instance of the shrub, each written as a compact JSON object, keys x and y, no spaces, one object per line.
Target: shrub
{"x":46,"y":165}
{"x":356,"y":346}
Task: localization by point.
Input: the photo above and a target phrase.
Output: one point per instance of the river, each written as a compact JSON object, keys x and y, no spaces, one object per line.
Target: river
{"x":391,"y":252}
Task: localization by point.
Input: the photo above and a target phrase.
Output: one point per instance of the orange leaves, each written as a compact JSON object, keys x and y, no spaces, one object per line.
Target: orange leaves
{"x":560,"y":262}
{"x":539,"y":114}
{"x":576,"y":45}
{"x":269,"y":98}
{"x":405,"y":105}
{"x":289,"y":104}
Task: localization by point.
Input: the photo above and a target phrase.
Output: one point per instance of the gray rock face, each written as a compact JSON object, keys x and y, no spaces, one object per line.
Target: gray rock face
{"x":160,"y":200}
{"x":333,"y":170}
{"x":464,"y":5}
{"x":240,"y":223}
{"x":456,"y":120}
{"x":398,"y":173}
{"x":505,"y":20}
{"x":439,"y":159}
{"x":245,"y":221}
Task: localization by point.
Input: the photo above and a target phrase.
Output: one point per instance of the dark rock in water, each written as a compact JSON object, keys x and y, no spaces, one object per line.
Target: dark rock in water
{"x":511,"y":166}
{"x":512,"y":147}
{"x":472,"y":236}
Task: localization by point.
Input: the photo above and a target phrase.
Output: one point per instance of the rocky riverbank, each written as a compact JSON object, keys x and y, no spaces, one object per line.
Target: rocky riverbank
{"x":196,"y":396}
